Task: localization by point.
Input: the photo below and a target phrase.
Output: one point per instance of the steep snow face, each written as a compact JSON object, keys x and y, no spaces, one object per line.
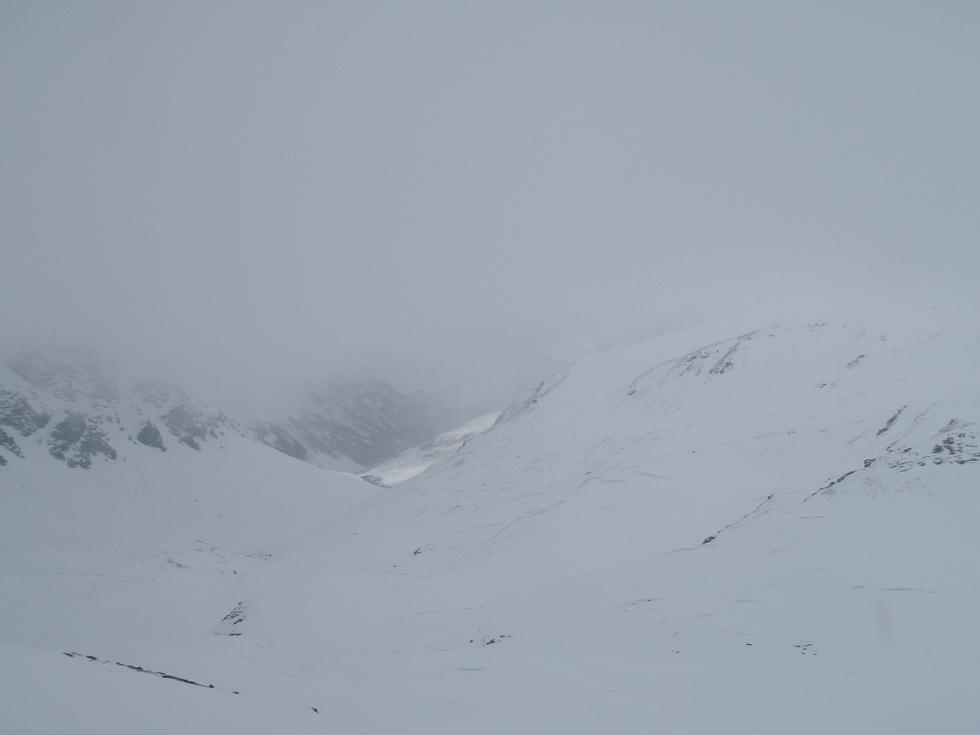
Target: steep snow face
{"x":756,"y":532}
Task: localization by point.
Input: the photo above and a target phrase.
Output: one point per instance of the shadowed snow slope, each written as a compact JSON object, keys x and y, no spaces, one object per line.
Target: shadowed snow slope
{"x":415,"y":461}
{"x":764,"y":533}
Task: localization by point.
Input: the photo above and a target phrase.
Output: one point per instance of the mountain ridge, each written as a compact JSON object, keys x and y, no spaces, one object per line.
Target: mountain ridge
{"x":67,"y":401}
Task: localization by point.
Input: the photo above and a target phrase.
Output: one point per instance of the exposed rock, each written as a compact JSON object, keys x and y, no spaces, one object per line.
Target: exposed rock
{"x":17,"y":413}
{"x":366,"y":422}
{"x":7,"y":442}
{"x":75,"y":440}
{"x":279,"y":437}
{"x":190,"y":442}
{"x":151,"y":437}
{"x":237,"y":616}
{"x":69,"y":431}
{"x":727,"y":362}
{"x":192,"y":426}
{"x":185,"y":421}
{"x":954,"y":446}
{"x":891,"y":421}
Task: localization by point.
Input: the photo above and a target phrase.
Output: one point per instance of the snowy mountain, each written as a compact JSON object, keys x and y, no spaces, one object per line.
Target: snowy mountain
{"x":720,"y":531}
{"x":352,"y":425}
{"x":68,"y":403}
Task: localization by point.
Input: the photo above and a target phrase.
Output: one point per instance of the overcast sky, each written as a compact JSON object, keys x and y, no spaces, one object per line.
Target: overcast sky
{"x":455,"y":192}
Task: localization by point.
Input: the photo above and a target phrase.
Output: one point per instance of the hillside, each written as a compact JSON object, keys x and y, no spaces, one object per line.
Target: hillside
{"x":761,"y":531}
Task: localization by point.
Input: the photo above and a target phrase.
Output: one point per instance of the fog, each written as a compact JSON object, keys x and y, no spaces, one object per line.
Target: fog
{"x":462,"y":195}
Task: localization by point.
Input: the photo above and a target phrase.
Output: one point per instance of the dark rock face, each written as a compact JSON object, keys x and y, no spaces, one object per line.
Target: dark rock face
{"x":151,"y":437}
{"x":70,"y":430}
{"x":17,"y":413}
{"x":191,"y":426}
{"x":366,"y":422}
{"x":183,"y":421}
{"x":76,"y":439}
{"x":191,"y":442}
{"x":180,"y":415}
{"x":7,"y":442}
{"x":279,"y":438}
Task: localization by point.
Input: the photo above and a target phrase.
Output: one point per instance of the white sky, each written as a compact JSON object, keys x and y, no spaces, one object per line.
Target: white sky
{"x":455,"y":192}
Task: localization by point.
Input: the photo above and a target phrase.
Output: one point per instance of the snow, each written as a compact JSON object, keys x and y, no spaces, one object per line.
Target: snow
{"x":415,"y":461}
{"x":742,"y":532}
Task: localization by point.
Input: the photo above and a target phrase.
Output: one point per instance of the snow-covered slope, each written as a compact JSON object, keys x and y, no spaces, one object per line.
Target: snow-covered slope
{"x":129,"y":558}
{"x":766,"y":532}
{"x":413,"y":462}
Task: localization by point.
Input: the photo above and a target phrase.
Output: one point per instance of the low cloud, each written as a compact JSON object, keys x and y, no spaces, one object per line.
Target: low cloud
{"x":459,"y":197}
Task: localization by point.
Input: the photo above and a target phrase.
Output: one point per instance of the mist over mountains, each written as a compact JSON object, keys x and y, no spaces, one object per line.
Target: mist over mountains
{"x":441,"y":196}
{"x":69,"y":402}
{"x":489,"y":367}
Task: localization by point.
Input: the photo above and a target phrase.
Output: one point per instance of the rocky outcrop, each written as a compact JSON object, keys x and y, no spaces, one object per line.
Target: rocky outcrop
{"x":93,"y":414}
{"x":17,"y":413}
{"x":281,"y":439}
{"x":150,"y":436}
{"x":76,"y":440}
{"x":7,"y":442}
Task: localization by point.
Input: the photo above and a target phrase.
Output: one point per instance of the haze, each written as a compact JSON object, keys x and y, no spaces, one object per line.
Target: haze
{"x":463,"y":194}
